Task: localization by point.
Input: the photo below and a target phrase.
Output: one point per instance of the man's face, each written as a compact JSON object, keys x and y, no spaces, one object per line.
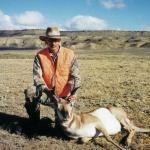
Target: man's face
{"x":53,"y":44}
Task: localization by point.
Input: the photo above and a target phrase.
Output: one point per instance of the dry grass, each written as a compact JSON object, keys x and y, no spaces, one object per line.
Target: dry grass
{"x":119,"y":77}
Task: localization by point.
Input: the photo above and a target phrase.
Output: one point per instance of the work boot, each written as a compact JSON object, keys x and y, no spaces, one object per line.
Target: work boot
{"x":31,"y":104}
{"x":33,"y":110}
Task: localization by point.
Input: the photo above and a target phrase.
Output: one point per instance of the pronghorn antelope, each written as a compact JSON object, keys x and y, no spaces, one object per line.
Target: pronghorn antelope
{"x":102,"y":121}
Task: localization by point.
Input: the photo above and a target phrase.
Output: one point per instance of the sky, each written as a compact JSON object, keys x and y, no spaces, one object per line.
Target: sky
{"x":68,"y":15}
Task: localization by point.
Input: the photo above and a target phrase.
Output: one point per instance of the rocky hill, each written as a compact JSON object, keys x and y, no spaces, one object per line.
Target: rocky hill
{"x":29,"y":39}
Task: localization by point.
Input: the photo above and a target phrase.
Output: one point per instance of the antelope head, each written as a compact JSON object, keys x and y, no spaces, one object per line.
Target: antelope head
{"x":64,"y":110}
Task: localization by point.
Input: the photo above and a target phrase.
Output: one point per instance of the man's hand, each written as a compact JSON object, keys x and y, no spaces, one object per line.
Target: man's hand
{"x":72,"y":98}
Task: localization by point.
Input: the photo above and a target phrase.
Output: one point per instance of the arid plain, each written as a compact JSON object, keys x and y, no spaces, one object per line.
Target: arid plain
{"x":114,"y":67}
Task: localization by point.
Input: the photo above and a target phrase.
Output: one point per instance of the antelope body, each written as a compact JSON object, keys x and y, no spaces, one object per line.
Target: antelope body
{"x":100,"y":122}
{"x":84,"y":125}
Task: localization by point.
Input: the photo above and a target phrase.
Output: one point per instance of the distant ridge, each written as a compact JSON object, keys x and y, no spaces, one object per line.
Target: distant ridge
{"x":104,"y":39}
{"x":6,"y":33}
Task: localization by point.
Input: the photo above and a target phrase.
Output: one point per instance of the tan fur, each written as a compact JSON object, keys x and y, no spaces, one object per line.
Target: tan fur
{"x":79,"y":120}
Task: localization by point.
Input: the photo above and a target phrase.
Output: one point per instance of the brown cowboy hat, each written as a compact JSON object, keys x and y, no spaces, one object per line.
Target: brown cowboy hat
{"x":51,"y":33}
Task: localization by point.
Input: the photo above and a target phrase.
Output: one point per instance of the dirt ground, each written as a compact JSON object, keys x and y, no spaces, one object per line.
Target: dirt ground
{"x":118,"y":78}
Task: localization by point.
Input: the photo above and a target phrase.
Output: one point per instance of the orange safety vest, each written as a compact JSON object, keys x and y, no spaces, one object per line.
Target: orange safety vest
{"x":57,"y":75}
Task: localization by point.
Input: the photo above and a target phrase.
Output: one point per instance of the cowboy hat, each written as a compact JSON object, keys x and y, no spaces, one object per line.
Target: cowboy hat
{"x":51,"y":33}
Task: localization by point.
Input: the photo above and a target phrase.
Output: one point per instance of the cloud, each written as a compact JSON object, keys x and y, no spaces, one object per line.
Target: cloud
{"x":86,"y":23}
{"x":26,"y":20}
{"x":6,"y":22}
{"x":35,"y":20}
{"x":30,"y":18}
{"x":110,"y":4}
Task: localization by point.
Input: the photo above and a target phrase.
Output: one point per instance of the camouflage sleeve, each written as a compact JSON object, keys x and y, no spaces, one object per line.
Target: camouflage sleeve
{"x":37,"y":73}
{"x":75,"y":76}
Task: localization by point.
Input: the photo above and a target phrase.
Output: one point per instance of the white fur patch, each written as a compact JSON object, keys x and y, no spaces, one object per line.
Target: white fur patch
{"x":87,"y":130}
{"x":111,"y":124}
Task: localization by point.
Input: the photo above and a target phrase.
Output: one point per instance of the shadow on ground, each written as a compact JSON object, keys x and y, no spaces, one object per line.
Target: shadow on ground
{"x":22,"y":126}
